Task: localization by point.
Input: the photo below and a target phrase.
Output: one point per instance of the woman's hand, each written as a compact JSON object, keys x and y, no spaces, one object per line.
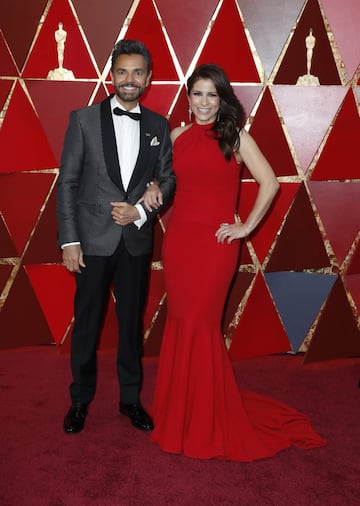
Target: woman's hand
{"x":228,"y":232}
{"x":152,"y":198}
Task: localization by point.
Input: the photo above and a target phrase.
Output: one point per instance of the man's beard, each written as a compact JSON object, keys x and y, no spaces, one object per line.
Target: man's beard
{"x":126,"y":96}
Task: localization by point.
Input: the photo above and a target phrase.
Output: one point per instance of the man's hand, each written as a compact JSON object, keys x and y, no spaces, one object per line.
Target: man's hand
{"x":73,"y":258}
{"x":152,"y":198}
{"x":124,"y":213}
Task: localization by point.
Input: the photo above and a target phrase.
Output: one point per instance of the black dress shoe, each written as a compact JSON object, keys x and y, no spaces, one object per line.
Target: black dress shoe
{"x":138,"y":416}
{"x":75,"y":418}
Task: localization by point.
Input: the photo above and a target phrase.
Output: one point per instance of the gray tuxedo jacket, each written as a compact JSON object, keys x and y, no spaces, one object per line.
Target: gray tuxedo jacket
{"x":89,"y":179}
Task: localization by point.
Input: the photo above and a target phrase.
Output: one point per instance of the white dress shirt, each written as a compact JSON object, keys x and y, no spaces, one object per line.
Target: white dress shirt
{"x":127,"y":133}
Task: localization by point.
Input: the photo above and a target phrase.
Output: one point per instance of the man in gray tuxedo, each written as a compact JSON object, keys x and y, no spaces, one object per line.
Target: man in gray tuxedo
{"x":105,"y":208}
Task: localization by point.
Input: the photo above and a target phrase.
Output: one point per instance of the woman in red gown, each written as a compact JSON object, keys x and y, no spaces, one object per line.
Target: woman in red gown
{"x":198,"y":408}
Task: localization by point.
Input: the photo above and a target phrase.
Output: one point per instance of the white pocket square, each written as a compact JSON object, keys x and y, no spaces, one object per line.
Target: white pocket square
{"x":154,"y":141}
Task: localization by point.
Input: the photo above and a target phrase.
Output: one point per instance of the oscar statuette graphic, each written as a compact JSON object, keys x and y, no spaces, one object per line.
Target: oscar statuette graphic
{"x":308,"y":79}
{"x":60,"y":73}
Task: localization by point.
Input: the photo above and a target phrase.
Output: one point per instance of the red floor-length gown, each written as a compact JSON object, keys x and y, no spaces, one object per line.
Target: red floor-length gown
{"x":198,"y":408}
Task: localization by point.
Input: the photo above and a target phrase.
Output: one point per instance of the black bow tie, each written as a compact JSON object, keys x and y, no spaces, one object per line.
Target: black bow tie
{"x":133,"y":115}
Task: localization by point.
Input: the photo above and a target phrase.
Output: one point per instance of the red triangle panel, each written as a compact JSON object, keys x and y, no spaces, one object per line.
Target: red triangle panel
{"x":43,"y":247}
{"x":344,"y":23}
{"x":44,"y":58}
{"x":263,"y":237}
{"x":247,"y":95}
{"x":105,"y":13}
{"x":19,"y":22}
{"x":268,"y":133}
{"x":339,"y":211}
{"x":27,"y":192}
{"x":22,"y":323}
{"x":22,"y":124}
{"x":259,"y":335}
{"x":191,"y":20}
{"x":7,"y":63}
{"x":354,"y":265}
{"x":232,"y":37}
{"x":307,"y":125}
{"x":69,"y":95}
{"x":5,"y":87}
{"x":146,"y":26}
{"x":300,"y":245}
{"x":54,"y":287}
{"x":323,"y":63}
{"x":336,"y":335}
{"x":7,"y":247}
{"x":352,"y":284}
{"x":344,"y":163}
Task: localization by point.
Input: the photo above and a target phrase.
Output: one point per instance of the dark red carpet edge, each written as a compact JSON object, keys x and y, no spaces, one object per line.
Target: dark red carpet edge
{"x":110,"y":463}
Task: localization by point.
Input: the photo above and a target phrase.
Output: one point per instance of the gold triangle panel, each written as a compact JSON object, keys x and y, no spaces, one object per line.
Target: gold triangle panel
{"x":238,"y":288}
{"x":354,"y":261}
{"x":5,"y":271}
{"x":153,"y":341}
{"x":155,"y":297}
{"x":352,"y":286}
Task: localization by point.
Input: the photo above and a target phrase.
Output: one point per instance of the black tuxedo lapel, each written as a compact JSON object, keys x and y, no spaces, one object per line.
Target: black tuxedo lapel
{"x":109,"y":143}
{"x":145,"y":139}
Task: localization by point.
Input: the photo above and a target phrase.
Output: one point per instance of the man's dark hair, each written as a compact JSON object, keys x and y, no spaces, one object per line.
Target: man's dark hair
{"x":127,"y":46}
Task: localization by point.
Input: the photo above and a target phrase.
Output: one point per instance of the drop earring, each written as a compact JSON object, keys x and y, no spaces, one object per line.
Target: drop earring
{"x":190,"y":113}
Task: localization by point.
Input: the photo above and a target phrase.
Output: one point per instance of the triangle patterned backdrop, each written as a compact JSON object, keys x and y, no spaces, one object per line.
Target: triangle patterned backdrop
{"x":297,"y":287}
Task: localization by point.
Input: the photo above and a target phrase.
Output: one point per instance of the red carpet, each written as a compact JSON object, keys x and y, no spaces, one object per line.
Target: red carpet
{"x":111,"y":463}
